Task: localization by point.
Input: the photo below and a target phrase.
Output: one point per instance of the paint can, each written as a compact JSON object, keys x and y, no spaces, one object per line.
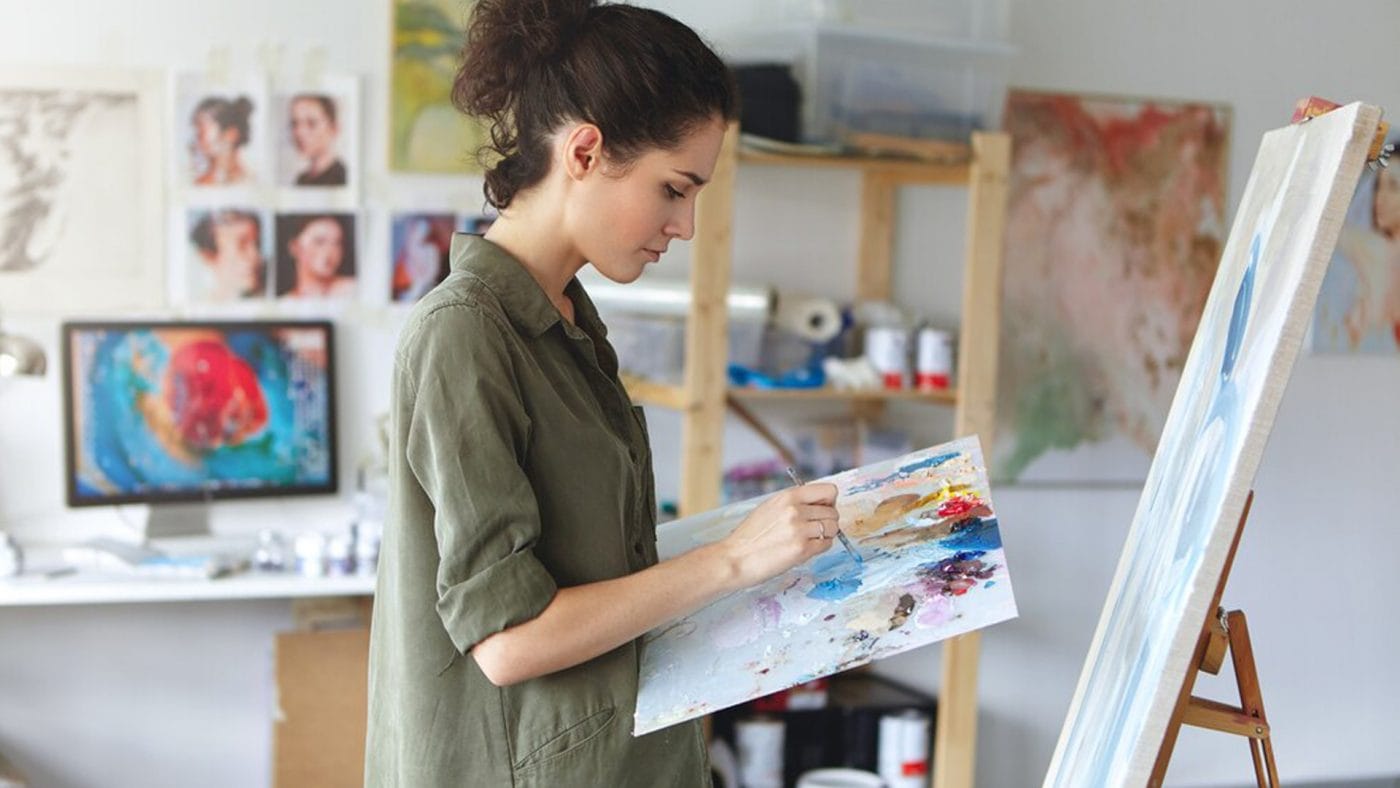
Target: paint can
{"x":933,"y":369}
{"x":887,"y":348}
{"x":904,"y":749}
{"x":760,"y":741}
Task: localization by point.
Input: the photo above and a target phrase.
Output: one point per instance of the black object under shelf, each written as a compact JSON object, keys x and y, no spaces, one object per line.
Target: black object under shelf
{"x":843,"y":733}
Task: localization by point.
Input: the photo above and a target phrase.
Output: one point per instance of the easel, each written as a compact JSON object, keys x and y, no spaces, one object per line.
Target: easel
{"x":1221,"y":632}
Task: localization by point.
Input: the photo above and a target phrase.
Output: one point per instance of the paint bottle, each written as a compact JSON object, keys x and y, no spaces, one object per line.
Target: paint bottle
{"x":887,"y":348}
{"x":903,"y":749}
{"x":760,"y":741}
{"x":933,"y":369}
{"x":310,"y":551}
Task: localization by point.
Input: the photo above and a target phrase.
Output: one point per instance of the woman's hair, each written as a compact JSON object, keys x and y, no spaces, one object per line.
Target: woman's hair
{"x":202,"y":236}
{"x":327,"y":103}
{"x":228,"y":114}
{"x":529,"y":66}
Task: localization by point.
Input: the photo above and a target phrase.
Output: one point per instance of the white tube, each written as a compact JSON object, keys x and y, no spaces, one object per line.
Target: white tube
{"x":671,"y":297}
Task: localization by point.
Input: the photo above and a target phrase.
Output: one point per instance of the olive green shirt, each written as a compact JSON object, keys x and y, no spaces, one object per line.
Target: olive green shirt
{"x":518,"y":466}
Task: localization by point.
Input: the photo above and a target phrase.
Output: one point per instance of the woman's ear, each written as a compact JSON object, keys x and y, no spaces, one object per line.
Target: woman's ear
{"x":583,"y":150}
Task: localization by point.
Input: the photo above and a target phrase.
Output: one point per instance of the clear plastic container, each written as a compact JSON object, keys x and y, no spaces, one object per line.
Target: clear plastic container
{"x":877,"y":81}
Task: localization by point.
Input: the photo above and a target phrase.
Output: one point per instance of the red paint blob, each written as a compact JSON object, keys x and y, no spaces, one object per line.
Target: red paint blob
{"x":214,"y":396}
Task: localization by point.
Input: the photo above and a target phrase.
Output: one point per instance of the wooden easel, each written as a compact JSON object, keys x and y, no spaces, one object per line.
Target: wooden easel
{"x":1221,"y":632}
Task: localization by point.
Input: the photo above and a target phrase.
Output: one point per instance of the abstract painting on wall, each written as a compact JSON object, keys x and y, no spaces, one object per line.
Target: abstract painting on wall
{"x":426,"y":133}
{"x":1250,"y":332}
{"x":80,"y":190}
{"x":932,"y":567}
{"x":1114,"y":227}
{"x":1358,"y":310}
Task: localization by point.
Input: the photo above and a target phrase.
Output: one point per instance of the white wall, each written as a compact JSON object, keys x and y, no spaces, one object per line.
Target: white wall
{"x":80,"y":703}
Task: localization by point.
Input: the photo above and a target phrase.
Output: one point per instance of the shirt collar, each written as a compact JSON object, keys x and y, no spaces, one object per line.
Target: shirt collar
{"x":524,"y":301}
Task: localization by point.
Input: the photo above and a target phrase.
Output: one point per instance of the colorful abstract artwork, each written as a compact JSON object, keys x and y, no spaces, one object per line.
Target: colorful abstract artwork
{"x":1114,"y":227}
{"x":170,"y":410}
{"x":932,"y":567}
{"x":1358,"y":310}
{"x":426,"y":133}
{"x":1249,"y":336}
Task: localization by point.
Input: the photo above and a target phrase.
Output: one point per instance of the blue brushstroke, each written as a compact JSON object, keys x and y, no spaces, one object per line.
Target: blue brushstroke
{"x":984,"y":536}
{"x":837,"y":588}
{"x":905,"y":472}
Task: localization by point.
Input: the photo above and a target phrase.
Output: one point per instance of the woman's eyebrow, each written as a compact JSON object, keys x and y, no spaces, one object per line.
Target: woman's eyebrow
{"x":695,"y":179}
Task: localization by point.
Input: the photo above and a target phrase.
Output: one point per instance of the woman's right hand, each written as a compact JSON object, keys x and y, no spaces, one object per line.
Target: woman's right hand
{"x":784,"y":531}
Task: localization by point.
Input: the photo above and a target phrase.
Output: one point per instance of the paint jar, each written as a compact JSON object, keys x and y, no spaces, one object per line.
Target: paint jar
{"x":904,"y":749}
{"x":887,"y":349}
{"x":760,"y":741}
{"x":933,"y":368}
{"x":271,"y":553}
{"x":340,"y":556}
{"x":310,"y":551}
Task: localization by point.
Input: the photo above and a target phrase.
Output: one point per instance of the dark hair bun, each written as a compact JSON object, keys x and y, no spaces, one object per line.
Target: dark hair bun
{"x":530,"y":66}
{"x":506,"y":41}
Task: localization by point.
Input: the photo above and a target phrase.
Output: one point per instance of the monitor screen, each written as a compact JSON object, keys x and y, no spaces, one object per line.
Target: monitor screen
{"x":163,"y":411}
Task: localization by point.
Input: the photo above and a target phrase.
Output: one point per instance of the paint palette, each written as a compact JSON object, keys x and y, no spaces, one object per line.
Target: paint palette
{"x":933,"y":568}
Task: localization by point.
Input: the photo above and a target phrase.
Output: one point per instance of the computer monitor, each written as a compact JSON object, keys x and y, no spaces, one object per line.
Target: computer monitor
{"x":168,"y":412}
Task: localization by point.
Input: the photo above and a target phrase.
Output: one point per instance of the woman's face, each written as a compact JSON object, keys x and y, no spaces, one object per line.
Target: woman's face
{"x":312,"y":130}
{"x":319,"y":249}
{"x":209,"y":138}
{"x":237,"y":260}
{"x":1387,"y":205}
{"x":623,"y":221}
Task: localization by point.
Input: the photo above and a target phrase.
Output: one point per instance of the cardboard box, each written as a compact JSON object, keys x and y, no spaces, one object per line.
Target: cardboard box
{"x":319,"y":732}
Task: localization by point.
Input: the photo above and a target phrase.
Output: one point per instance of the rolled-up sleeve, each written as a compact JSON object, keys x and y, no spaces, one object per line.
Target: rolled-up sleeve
{"x":466,"y":446}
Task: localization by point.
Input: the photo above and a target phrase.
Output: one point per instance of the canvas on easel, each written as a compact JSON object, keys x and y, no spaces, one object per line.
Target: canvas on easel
{"x":1250,"y":332}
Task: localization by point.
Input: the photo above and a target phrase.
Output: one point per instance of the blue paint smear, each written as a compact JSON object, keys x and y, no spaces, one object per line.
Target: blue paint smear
{"x":989,"y":584}
{"x":983,"y":537}
{"x":905,"y":471}
{"x":837,"y":588}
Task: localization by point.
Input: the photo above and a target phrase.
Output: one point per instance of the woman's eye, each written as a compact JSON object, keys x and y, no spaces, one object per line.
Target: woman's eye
{"x":673,"y":193}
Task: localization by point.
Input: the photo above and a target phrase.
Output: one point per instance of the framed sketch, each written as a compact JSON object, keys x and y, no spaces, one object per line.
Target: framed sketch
{"x":1234,"y":377}
{"x":81,"y":190}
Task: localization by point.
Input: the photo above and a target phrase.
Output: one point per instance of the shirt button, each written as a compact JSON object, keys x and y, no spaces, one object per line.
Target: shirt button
{"x":638,"y":548}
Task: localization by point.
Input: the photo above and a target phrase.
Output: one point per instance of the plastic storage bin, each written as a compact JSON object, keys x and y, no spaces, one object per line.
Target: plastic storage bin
{"x":856,"y":80}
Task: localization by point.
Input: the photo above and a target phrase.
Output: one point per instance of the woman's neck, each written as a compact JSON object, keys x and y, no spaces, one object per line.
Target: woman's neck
{"x":532,"y":234}
{"x":321,"y":162}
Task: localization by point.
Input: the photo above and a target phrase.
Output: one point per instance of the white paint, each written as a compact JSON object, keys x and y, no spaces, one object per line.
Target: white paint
{"x":159,"y":694}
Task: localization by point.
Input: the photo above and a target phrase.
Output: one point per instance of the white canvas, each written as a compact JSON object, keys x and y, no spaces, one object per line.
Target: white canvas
{"x":1250,"y":332}
{"x":933,"y":567}
{"x":80,"y":190}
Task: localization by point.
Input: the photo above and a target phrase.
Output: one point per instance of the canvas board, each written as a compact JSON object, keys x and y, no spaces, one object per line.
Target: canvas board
{"x":1250,"y":332}
{"x":933,"y":567}
{"x":1115,"y":224}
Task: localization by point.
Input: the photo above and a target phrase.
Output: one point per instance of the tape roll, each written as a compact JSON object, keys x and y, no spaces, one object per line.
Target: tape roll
{"x":671,"y":297}
{"x":812,"y":319}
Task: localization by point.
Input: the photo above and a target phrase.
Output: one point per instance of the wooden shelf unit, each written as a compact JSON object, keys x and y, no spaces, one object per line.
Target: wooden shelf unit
{"x":704,"y":394}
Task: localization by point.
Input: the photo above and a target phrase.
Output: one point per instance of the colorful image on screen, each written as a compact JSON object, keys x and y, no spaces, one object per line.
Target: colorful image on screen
{"x":193,"y":410}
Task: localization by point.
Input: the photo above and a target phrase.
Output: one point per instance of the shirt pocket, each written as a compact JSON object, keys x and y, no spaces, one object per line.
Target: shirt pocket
{"x":557,"y":714}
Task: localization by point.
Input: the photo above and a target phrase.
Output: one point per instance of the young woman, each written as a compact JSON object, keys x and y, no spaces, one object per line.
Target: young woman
{"x":317,"y":256}
{"x":221,"y":130}
{"x":229,"y":243}
{"x":519,"y":567}
{"x":316,"y":133}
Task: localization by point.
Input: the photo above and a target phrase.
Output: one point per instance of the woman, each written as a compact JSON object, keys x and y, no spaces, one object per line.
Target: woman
{"x":314,"y":133}
{"x":229,"y":243}
{"x":221,"y":130}
{"x":317,"y":258}
{"x":519,"y":566}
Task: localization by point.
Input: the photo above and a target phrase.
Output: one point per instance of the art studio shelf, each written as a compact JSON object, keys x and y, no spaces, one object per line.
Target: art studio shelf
{"x":91,"y":589}
{"x":705,"y":399}
{"x":663,"y":395}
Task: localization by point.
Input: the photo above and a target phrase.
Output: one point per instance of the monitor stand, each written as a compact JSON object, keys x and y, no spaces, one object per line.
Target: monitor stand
{"x":172,"y":520}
